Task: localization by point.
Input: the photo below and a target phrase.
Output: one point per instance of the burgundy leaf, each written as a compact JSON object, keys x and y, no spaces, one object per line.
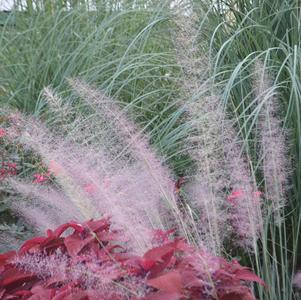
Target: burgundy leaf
{"x":33,"y":244}
{"x":14,"y":277}
{"x":156,"y":254}
{"x":162,"y":296}
{"x":169,"y":282}
{"x":156,"y":269}
{"x":171,"y":271}
{"x":6,"y":257}
{"x":247,"y":275}
{"x":41,"y":293}
{"x":98,"y":225}
{"x":74,"y":244}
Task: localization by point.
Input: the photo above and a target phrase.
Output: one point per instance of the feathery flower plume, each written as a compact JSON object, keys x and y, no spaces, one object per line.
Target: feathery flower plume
{"x":135,"y":143}
{"x":45,"y":206}
{"x":216,"y":151}
{"x":93,"y":184}
{"x":297,"y":280}
{"x":245,"y":215}
{"x":273,"y":142}
{"x":202,"y":112}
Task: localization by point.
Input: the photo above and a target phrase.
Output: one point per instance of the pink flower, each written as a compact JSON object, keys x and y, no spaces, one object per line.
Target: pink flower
{"x":257,"y":193}
{"x":90,"y":188}
{"x":2,"y":132}
{"x":234,"y":195}
{"x":40,"y":178}
{"x":239,"y":193}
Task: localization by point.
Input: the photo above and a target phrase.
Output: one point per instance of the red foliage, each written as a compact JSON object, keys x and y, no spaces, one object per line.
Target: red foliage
{"x":7,"y":169}
{"x":173,"y":270}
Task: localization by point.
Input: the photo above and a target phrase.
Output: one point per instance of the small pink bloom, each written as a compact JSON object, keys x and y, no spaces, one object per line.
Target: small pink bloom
{"x":40,"y":178}
{"x":2,"y":132}
{"x":90,"y":188}
{"x":234,"y":195}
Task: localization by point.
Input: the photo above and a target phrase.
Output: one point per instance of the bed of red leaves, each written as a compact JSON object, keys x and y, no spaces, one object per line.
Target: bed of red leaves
{"x":170,"y":270}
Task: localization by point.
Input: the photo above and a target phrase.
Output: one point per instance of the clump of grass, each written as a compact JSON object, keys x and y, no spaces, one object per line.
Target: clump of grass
{"x":216,"y":149}
{"x":89,"y":181}
{"x":242,"y":34}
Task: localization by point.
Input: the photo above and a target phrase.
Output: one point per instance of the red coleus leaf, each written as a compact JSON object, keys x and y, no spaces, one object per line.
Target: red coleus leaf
{"x":98,"y":225}
{"x":82,"y":295}
{"x":51,"y":244}
{"x":169,"y":282}
{"x":224,"y":276}
{"x":76,"y":226}
{"x":190,"y":279}
{"x":159,"y":258}
{"x":105,"y":236}
{"x":41,"y":243}
{"x":247,"y":275}
{"x":6,"y":257}
{"x":147,"y":264}
{"x":49,"y":233}
{"x":14,"y":277}
{"x":75,"y":244}
{"x":162,"y":296}
{"x":63,"y":293}
{"x":41,"y":293}
{"x":23,"y":293}
{"x":168,"y":259}
{"x":132,"y":261}
{"x":234,"y":290}
{"x":238,"y":296}
{"x":33,"y":244}
{"x":170,"y":271}
{"x":157,"y":254}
